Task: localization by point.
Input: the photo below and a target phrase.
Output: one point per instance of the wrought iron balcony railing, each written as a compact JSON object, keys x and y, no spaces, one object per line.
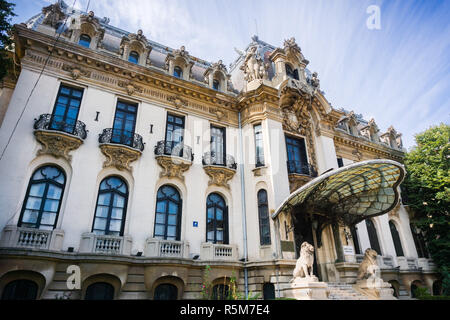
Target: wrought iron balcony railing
{"x":47,"y":121}
{"x":123,"y":137}
{"x":212,"y":159}
{"x":171,"y":148}
{"x":301,"y":168}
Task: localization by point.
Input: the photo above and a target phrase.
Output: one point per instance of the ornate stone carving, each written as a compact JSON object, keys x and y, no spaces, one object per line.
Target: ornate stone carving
{"x":219,"y":175}
{"x":130,"y":87}
{"x":298,"y":180}
{"x":304,"y":265}
{"x":57,"y":144}
{"x":76,"y":71}
{"x":177,"y":101}
{"x":119,"y":156}
{"x":136,"y":42}
{"x":53,"y":15}
{"x":173,"y":167}
{"x":253,"y":66}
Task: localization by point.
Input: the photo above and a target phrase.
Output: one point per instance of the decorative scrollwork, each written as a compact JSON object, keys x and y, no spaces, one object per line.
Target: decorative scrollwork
{"x":171,"y":148}
{"x":123,"y":137}
{"x":49,"y":122}
{"x":212,"y":159}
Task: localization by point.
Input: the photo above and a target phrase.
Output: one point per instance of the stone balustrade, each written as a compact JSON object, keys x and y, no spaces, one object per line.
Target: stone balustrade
{"x":105,"y":244}
{"x":19,"y":237}
{"x":166,"y":248}
{"x":211,"y":251}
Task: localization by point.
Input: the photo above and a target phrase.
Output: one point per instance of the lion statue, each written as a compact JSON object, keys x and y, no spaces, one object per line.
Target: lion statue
{"x":304,"y":266}
{"x":369,"y":267}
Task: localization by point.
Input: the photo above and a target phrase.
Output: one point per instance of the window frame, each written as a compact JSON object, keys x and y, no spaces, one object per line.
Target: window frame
{"x":373,"y":236}
{"x":264,"y":240}
{"x":82,"y":42}
{"x":179,"y":213}
{"x":259,"y":156}
{"x":302,"y":153}
{"x":225,"y":238}
{"x":224,"y":144}
{"x":70,"y":97}
{"x":122,"y":129}
{"x":43,"y":199}
{"x":176,"y":126}
{"x":177,"y":74}
{"x":135,"y":55}
{"x":107,"y":232}
{"x":396,"y":239}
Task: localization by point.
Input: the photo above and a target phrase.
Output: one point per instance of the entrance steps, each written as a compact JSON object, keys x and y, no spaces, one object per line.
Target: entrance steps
{"x":344,"y":291}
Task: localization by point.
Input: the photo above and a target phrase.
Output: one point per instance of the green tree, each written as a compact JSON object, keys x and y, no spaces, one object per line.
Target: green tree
{"x":427,"y":188}
{"x":6,"y":13}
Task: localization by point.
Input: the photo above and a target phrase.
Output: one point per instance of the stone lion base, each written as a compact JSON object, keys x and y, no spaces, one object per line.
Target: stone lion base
{"x":375,"y":288}
{"x":309,"y":288}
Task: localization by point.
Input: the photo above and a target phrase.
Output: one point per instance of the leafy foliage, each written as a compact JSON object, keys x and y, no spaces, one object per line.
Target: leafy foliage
{"x":427,"y":189}
{"x":6,"y":13}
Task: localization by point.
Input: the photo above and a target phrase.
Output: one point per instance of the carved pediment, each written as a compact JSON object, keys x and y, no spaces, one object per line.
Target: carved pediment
{"x":180,"y":58}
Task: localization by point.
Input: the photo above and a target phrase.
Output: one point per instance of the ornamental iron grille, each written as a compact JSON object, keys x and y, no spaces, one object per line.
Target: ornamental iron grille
{"x":43,"y":199}
{"x":168,"y":214}
{"x":111,"y":207}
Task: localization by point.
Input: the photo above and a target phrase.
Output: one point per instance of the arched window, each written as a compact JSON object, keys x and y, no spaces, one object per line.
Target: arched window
{"x":268,"y":291}
{"x":85,"y":40}
{"x":166,"y":291}
{"x":354,"y":233}
{"x":419,"y":242}
{"x":168,"y":214}
{"x":178,"y":72}
{"x":217,"y":219}
{"x":373,"y":238}
{"x":111,"y":207}
{"x":396,"y":239}
{"x":43,"y":199}
{"x":133,"y":57}
{"x":264,"y":221}
{"x":216,"y":84}
{"x":20,"y":290}
{"x":220,"y":291}
{"x":100,"y":291}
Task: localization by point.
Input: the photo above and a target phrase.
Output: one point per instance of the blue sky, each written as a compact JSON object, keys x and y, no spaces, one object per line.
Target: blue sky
{"x":399,"y":74}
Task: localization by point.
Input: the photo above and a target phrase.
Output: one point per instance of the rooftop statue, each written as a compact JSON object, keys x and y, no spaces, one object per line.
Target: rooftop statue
{"x":253,"y":66}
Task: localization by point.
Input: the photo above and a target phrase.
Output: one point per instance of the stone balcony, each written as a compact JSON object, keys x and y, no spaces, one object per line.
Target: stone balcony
{"x":58,"y":137}
{"x":166,"y":248}
{"x":105,"y":244}
{"x":174,"y":159}
{"x":217,"y":252}
{"x":19,"y":237}
{"x":219,"y":169}
{"x":120,"y":147}
{"x":299,"y":174}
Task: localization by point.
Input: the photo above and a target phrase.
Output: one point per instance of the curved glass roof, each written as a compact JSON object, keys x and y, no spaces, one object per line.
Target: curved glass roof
{"x":350,"y":194}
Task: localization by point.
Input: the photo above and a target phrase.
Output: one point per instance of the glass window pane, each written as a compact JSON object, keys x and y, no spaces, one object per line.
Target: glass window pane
{"x":102,"y":211}
{"x":116,"y":213}
{"x":172,"y":219}
{"x":219,"y":214}
{"x":160,"y":218}
{"x":48,"y":218}
{"x":37,"y":190}
{"x":104,"y":199}
{"x":51,"y":205}
{"x":118,"y":201}
{"x":173,"y":208}
{"x":65,"y":90}
{"x":30,"y":216}
{"x":210,"y":235}
{"x":171,"y":231}
{"x":159,"y":230}
{"x":161,"y":206}
{"x":115,"y":225}
{"x":33,"y":203}
{"x":54,"y":192}
{"x":100,"y":223}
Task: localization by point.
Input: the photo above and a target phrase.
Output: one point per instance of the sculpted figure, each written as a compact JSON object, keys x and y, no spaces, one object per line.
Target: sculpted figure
{"x":369,"y":266}
{"x":304,"y":266}
{"x":253,"y":66}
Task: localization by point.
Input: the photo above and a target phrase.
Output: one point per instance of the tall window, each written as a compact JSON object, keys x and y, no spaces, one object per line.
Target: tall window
{"x":354,"y":232}
{"x":168,"y":214}
{"x":218,"y":150}
{"x":67,"y":106}
{"x":373,"y":237}
{"x":99,"y":291}
{"x":264,"y":221}
{"x":297,"y":157}
{"x":20,"y":290}
{"x":216,"y":84}
{"x":124,"y":123}
{"x":174,"y":134}
{"x":43,"y":199}
{"x":111,"y":207}
{"x":85,"y":40}
{"x":133,"y":57}
{"x":419,"y":242}
{"x":291,"y":73}
{"x":217,"y":219}
{"x":340,"y":162}
{"x":396,"y":239}
{"x":166,"y":291}
{"x":259,"y":148}
{"x":178,"y":72}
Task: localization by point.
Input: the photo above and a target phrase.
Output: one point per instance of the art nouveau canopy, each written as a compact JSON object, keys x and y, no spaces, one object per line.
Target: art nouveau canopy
{"x":349,"y":194}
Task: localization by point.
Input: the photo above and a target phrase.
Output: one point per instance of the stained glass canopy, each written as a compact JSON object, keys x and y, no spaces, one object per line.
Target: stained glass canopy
{"x":349,"y":194}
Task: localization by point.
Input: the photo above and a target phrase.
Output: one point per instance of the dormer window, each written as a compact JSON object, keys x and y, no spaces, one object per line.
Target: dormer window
{"x":85,"y":40}
{"x":177,"y":72}
{"x":216,"y":84}
{"x":291,"y":73}
{"x":133,"y":57}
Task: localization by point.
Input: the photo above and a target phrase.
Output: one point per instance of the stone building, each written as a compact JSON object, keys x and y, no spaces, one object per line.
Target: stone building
{"x":141,"y":165}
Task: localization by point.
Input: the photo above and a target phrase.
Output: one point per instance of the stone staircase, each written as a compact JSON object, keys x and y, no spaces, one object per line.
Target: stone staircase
{"x":344,"y":291}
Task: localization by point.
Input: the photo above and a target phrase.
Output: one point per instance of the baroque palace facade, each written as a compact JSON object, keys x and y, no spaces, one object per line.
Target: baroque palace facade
{"x":141,"y":165}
